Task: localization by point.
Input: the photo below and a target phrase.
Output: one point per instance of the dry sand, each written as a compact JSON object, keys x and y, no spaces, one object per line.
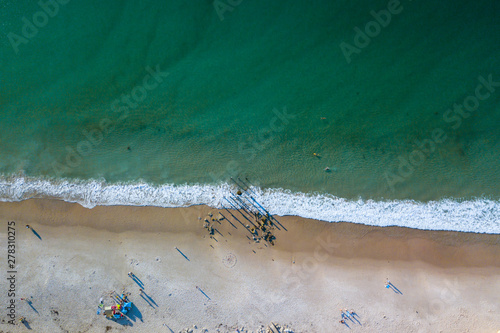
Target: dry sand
{"x":449,"y":281}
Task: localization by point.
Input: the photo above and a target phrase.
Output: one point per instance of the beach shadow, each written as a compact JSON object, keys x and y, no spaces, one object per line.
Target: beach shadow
{"x":124,"y":321}
{"x":243,"y":206}
{"x":31,"y":305}
{"x":354,"y":315}
{"x":234,"y":217}
{"x":217,"y":231}
{"x":351,"y":317}
{"x":262,"y":211}
{"x":139,"y":282}
{"x":182,"y":254}
{"x":344,"y":316}
{"x":150,"y":299}
{"x":240,"y":209}
{"x":396,"y":290}
{"x":147,"y":301}
{"x":134,"y":313}
{"x":27,"y":325}
{"x":171,"y":331}
{"x":203,"y":292}
{"x":346,"y":324}
{"x":136,"y":278}
{"x":277,"y":222}
{"x":36,"y":234}
{"x":269,"y":216}
{"x":225,"y":218}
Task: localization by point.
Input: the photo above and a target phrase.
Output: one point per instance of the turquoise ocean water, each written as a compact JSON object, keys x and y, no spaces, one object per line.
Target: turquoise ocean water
{"x":160,"y":103}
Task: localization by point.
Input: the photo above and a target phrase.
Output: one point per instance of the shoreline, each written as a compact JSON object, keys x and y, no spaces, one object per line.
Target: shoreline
{"x":478,"y":215}
{"x":313,"y":267}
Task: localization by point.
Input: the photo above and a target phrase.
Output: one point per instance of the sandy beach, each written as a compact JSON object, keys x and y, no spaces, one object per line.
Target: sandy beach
{"x":73,"y":256}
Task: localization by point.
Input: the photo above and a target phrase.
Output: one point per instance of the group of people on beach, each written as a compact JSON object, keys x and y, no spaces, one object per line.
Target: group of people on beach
{"x":346,"y":314}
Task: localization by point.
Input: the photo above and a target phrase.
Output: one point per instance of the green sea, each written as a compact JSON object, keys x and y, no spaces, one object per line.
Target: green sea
{"x":376,"y":112}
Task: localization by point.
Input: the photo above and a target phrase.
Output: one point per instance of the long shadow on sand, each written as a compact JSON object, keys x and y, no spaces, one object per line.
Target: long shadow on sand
{"x":353,"y":317}
{"x":36,"y":234}
{"x":134,"y":313}
{"x":150,"y":299}
{"x":147,"y":301}
{"x":171,"y":331}
{"x":26,"y":324}
{"x":30,"y":303}
{"x":225,"y":218}
{"x":123,"y":321}
{"x":182,"y":254}
{"x":203,"y":292}
{"x":234,"y":217}
{"x":139,"y":282}
{"x":396,"y":290}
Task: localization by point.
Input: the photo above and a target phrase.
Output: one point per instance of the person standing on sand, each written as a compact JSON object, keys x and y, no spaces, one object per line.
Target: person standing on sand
{"x":28,"y":226}
{"x":387,"y":283}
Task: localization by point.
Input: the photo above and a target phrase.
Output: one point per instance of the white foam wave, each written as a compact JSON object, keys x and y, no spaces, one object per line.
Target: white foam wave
{"x":478,"y":215}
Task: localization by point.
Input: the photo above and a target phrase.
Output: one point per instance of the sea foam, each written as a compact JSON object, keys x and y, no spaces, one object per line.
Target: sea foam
{"x":478,"y":215}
